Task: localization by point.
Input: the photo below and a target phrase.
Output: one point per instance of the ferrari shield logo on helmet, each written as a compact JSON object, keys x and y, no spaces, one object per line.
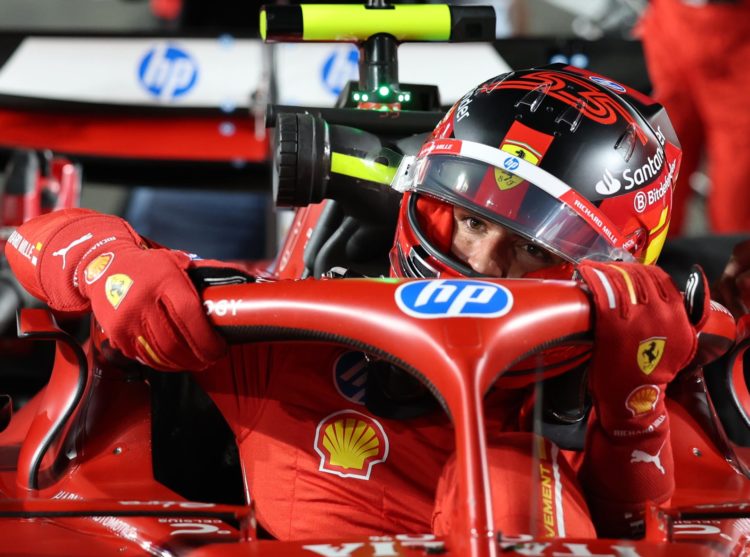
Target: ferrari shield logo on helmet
{"x":650,"y":352}
{"x":506,"y":180}
{"x":524,"y":143}
{"x":117,"y":287}
{"x":350,"y":444}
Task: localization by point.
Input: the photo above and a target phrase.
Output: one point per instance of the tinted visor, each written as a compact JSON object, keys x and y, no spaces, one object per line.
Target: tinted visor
{"x":508,"y":199}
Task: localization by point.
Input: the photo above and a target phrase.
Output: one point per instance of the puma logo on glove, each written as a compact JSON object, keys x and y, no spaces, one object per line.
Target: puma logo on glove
{"x":64,"y":251}
{"x":642,"y":456}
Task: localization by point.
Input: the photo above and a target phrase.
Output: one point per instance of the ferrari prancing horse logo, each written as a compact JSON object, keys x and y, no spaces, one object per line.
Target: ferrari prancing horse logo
{"x":650,"y":352}
{"x":117,"y":287}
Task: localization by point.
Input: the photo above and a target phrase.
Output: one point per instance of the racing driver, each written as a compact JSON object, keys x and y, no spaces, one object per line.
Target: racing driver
{"x":552,"y":172}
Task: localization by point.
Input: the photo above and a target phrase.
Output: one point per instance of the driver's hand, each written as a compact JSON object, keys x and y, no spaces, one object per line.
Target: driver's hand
{"x":733,"y":287}
{"x":643,"y":338}
{"x":642,"y":335}
{"x":148,"y":307}
{"x":141,"y":297}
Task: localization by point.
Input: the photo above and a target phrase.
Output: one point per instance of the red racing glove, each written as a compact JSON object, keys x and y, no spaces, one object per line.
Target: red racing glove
{"x":143,"y":298}
{"x":643,"y":338}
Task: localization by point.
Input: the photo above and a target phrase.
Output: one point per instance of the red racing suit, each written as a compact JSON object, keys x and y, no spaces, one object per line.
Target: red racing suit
{"x":301,"y":427}
{"x":317,"y":462}
{"x":696,"y":55}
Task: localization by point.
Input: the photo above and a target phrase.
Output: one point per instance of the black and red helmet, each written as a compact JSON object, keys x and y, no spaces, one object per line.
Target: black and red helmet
{"x":575,"y":162}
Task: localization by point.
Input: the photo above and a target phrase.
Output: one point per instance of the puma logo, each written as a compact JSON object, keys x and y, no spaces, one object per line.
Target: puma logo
{"x":642,"y":456}
{"x":64,"y":251}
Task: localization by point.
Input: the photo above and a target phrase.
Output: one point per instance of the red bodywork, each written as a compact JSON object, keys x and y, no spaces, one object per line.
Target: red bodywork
{"x":124,"y":136}
{"x":290,"y":262}
{"x":76,"y":473}
{"x":62,"y":186}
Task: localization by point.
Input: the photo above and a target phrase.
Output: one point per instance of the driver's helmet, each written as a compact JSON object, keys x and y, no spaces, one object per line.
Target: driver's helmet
{"x":575,"y":162}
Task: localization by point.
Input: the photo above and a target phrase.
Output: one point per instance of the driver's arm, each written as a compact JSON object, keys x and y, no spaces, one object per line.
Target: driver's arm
{"x":643,"y":338}
{"x":141,"y":294}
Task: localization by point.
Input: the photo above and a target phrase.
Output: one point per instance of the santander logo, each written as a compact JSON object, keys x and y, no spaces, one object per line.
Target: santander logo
{"x":608,"y":184}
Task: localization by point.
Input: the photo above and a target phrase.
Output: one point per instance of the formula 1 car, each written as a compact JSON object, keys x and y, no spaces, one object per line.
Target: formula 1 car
{"x":107,"y":460}
{"x":112,"y":457}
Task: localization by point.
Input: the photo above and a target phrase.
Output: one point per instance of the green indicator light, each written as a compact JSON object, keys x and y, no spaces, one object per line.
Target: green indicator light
{"x":407,"y":97}
{"x":356,"y":96}
{"x":383,"y":91}
{"x":400,"y":98}
{"x":365,"y":97}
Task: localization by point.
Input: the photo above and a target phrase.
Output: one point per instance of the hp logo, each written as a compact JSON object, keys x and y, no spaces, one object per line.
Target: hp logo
{"x":340,"y":68}
{"x":432,"y":299}
{"x":607,"y":83}
{"x":167,"y":72}
{"x":511,"y":163}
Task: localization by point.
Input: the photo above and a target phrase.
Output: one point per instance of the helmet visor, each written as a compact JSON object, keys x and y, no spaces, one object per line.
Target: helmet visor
{"x":508,"y":194}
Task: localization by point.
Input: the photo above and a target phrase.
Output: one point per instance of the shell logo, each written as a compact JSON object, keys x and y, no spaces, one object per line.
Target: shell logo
{"x":643,"y":399}
{"x":97,"y":267}
{"x":350,"y":444}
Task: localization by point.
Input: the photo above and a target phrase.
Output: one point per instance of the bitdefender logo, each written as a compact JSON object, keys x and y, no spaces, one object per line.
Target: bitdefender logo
{"x":168,"y":72}
{"x":644,"y":199}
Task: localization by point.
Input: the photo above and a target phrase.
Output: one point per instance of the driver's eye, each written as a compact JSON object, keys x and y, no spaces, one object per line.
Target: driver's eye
{"x":474,"y":224}
{"x":538,"y":253}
